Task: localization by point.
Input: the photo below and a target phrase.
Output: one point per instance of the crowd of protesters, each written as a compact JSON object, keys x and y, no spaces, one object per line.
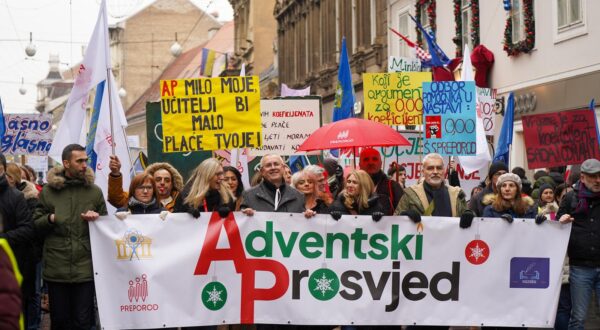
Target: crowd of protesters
{"x":47,"y":228}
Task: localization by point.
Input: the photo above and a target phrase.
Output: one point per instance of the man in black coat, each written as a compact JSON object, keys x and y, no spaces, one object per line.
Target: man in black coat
{"x":389,"y":191}
{"x":18,"y":230}
{"x":582,"y":207}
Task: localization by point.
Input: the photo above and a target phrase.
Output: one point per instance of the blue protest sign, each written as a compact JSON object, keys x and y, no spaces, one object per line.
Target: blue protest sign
{"x":449,"y":117}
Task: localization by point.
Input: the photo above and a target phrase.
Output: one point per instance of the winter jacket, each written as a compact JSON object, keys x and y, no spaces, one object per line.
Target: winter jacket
{"x":476,"y":203}
{"x":374,"y":206}
{"x":261,"y":198}
{"x":10,"y":293}
{"x":213,"y":202}
{"x":67,"y":253}
{"x":490,"y":212}
{"x":384,"y":187}
{"x":549,"y":210}
{"x":118,"y":198}
{"x":139,"y":208}
{"x":584,"y":243}
{"x":19,"y":231}
{"x":415,"y":199}
{"x":321,"y":207}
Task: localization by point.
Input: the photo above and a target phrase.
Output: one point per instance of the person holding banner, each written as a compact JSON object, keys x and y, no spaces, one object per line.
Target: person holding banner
{"x":143,"y":197}
{"x":496,"y":170}
{"x":67,"y":203}
{"x":233,"y":179}
{"x":432,"y":197}
{"x":306,"y":182}
{"x":272,"y":194}
{"x":168,"y":183}
{"x":358,"y":198}
{"x":582,"y":207}
{"x":389,"y":191}
{"x":206,"y":191}
{"x":509,"y":203}
{"x":547,"y":207}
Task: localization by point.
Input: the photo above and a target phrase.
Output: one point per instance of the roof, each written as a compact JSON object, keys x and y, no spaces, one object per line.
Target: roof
{"x":187,"y":65}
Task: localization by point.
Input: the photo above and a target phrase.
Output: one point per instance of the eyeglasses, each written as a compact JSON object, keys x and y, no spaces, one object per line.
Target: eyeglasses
{"x":142,"y":188}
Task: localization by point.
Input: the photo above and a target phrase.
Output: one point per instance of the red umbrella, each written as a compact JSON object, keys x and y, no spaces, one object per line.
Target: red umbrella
{"x":352,"y":133}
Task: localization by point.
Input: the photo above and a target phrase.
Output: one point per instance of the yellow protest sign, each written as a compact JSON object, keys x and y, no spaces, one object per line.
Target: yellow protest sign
{"x":394,"y":98}
{"x":210,"y":114}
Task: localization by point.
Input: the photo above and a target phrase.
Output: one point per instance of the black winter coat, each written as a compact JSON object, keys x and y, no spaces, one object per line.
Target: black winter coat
{"x":374,"y":206}
{"x":213,"y":202}
{"x":584,"y":243}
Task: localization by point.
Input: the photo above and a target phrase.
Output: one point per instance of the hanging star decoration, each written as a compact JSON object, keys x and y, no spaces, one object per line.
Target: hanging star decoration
{"x":477,"y":252}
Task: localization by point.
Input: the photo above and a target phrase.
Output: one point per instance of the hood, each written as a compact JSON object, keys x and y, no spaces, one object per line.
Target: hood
{"x":57,"y":179}
{"x":177,"y":178}
{"x":490,"y":198}
{"x":28,"y":189}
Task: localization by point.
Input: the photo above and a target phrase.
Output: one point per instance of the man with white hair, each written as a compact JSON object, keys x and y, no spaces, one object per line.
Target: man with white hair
{"x":432,"y":197}
{"x":272,"y":194}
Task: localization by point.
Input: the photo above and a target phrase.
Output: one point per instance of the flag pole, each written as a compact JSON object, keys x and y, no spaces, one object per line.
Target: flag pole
{"x":110,"y":111}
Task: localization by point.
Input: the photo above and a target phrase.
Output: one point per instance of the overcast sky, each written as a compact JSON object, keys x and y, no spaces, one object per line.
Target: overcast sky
{"x":58,"y":26}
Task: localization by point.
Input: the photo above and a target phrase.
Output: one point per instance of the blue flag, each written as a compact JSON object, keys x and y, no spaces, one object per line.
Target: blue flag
{"x":438,"y":57}
{"x":343,"y":106}
{"x":2,"y":123}
{"x":91,"y":137}
{"x":506,"y":133}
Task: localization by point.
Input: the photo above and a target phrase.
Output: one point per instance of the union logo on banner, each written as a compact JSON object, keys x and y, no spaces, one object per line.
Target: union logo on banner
{"x":138,"y":293}
{"x":134,"y":245}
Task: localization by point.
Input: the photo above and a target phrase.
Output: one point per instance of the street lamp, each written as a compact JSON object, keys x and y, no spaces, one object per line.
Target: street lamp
{"x":30,"y":50}
{"x":122,"y":92}
{"x":176,"y":48}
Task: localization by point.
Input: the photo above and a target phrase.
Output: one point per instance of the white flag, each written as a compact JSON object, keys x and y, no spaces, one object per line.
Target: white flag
{"x":482,"y":156}
{"x":286,"y":91}
{"x":93,"y":70}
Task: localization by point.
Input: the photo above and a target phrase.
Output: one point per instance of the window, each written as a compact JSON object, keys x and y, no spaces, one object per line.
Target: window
{"x":426,"y":26}
{"x":465,"y":9}
{"x":403,"y":23}
{"x":516,"y":14}
{"x":569,"y":14}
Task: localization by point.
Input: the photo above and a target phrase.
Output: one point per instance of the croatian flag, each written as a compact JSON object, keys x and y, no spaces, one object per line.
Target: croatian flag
{"x":94,"y":72}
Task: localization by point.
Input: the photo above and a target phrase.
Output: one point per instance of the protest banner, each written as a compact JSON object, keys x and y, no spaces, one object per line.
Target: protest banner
{"x":560,"y":138}
{"x":27,"y":134}
{"x":282,"y":269}
{"x":486,"y":101}
{"x":286,"y":123}
{"x":394,"y":98}
{"x":411,"y":158}
{"x":449,"y":118}
{"x":403,"y":64}
{"x":210,"y":114}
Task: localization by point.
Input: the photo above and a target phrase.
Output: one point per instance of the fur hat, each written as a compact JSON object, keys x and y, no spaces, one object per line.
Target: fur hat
{"x":509,"y":177}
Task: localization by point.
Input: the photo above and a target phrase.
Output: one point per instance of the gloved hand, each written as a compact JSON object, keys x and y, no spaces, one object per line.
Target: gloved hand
{"x":466,"y":219}
{"x":412,"y":215}
{"x":336,"y":215}
{"x":163,"y":215}
{"x":122,"y":215}
{"x":507,"y":217}
{"x":224,"y":211}
{"x":377,"y":216}
{"x":540,"y":218}
{"x":195,"y":213}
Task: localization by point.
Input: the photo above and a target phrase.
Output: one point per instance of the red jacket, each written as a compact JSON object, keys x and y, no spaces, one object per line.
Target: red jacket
{"x":10,"y":292}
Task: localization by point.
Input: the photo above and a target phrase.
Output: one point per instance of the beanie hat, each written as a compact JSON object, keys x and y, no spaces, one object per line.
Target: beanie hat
{"x":544,"y":187}
{"x":509,"y":177}
{"x":496,"y":167}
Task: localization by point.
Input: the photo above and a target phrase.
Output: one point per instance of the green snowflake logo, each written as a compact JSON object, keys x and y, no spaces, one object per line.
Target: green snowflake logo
{"x":323,"y":284}
{"x":214,"y":296}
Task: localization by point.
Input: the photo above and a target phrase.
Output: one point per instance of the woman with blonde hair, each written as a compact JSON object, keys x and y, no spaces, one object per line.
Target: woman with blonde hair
{"x":206,"y":191}
{"x":306,"y":183}
{"x":358,"y":197}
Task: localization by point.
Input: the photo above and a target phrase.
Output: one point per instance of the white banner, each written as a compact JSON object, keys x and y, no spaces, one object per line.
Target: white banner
{"x":486,"y":102}
{"x":282,"y":268}
{"x":286,"y":123}
{"x":403,"y":64}
{"x":27,"y":134}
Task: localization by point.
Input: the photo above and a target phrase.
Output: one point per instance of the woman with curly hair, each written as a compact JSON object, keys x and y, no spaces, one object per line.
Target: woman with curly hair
{"x":205,"y":191}
{"x":508,"y":202}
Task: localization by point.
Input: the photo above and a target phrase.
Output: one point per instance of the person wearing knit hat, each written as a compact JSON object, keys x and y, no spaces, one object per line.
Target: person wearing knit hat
{"x":496,"y":170}
{"x":581,"y":207}
{"x":508,"y":202}
{"x":547,"y":207}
